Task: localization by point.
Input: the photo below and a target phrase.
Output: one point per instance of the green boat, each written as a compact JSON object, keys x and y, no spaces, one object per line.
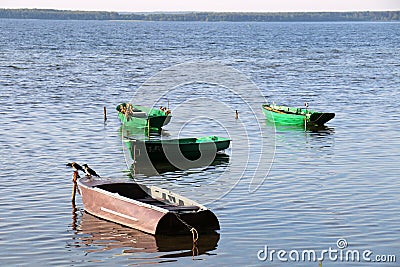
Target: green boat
{"x":284,"y":115}
{"x":143,"y":117}
{"x":190,"y":148}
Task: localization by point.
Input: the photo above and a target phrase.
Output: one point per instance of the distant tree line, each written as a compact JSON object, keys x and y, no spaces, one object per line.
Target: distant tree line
{"x":201,"y":16}
{"x":61,"y":14}
{"x":281,"y":16}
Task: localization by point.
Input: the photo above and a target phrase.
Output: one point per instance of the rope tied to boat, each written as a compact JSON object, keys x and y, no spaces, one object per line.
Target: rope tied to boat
{"x":195,"y":233}
{"x":319,"y":117}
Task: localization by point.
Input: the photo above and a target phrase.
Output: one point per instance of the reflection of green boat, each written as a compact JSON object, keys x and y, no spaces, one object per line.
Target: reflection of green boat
{"x":284,"y":115}
{"x":140,"y":116}
{"x":140,"y":132}
{"x":145,"y":167}
{"x":189,"y":148}
{"x":296,"y":128}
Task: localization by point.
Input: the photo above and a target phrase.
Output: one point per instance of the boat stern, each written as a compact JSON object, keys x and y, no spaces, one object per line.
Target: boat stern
{"x":204,"y":221}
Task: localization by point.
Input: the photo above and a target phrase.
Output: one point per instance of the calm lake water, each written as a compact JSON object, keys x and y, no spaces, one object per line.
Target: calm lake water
{"x":284,"y":188}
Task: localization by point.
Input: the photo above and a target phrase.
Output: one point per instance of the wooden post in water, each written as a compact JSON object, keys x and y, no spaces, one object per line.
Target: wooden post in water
{"x":75,"y":177}
{"x":74,"y":216}
{"x":105,"y":113}
{"x":237,"y":115}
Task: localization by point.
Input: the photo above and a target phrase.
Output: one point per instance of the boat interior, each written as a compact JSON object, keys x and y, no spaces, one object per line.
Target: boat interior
{"x":138,"y":193}
{"x":287,"y":110}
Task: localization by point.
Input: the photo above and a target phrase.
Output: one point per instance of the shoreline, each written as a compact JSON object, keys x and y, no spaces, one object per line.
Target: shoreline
{"x":54,"y":14}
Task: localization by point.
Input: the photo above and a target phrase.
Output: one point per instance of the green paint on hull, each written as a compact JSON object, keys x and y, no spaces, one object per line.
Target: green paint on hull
{"x":141,"y":116}
{"x":189,"y":147}
{"x":284,"y":115}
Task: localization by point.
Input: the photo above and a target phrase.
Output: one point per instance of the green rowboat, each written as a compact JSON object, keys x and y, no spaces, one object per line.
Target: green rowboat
{"x":141,"y":117}
{"x":190,"y":148}
{"x":284,"y":115}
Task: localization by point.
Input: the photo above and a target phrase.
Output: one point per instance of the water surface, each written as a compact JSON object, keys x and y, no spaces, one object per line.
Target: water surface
{"x":339,"y":182}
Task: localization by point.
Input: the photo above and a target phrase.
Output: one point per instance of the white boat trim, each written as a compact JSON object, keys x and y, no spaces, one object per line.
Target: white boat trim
{"x":119,"y":214}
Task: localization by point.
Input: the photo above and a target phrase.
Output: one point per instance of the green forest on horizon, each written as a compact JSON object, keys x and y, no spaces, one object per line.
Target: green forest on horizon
{"x":53,"y":14}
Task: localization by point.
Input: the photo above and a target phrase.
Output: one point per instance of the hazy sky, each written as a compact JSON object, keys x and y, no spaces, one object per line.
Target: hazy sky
{"x":207,"y":5}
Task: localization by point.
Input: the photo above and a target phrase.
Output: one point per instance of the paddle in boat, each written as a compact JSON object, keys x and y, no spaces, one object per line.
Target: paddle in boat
{"x":149,"y":209}
{"x":284,"y":115}
{"x":143,"y":117}
{"x":183,"y":148}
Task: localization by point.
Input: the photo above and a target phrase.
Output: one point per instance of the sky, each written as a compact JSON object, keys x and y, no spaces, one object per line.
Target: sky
{"x":208,"y":5}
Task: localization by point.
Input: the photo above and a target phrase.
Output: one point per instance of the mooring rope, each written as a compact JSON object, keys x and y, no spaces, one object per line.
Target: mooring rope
{"x":322,"y":114}
{"x":305,"y":122}
{"x":195,"y":250}
{"x":195,"y":234}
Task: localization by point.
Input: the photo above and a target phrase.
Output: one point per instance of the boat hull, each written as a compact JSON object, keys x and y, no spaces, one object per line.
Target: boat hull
{"x":189,"y":148}
{"x":319,"y":118}
{"x":115,"y":209}
{"x":284,"y":119}
{"x":129,"y":204}
{"x":139,"y":122}
{"x":141,"y":116}
{"x":295,"y":116}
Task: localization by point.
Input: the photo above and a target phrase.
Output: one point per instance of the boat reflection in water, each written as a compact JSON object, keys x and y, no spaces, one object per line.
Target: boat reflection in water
{"x":141,"y":132}
{"x":97,"y":235}
{"x":317,"y":129}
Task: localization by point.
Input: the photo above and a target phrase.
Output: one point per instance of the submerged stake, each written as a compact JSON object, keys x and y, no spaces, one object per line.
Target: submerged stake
{"x":105,"y":114}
